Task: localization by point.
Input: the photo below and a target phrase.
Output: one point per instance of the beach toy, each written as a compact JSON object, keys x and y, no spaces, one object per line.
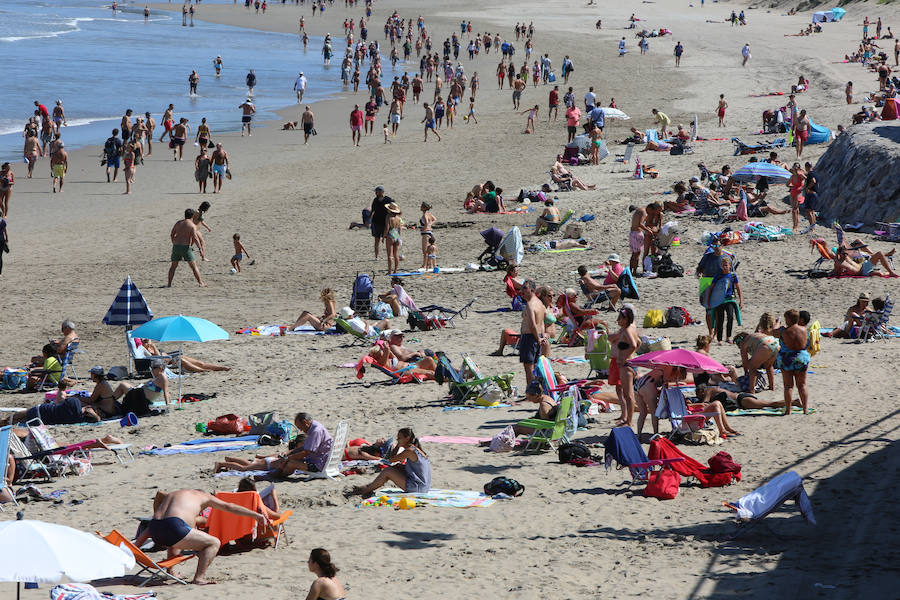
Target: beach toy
{"x":676,"y":242}
{"x":406,"y":503}
{"x":200,"y":427}
{"x":129,"y":420}
{"x":232,"y":270}
{"x":486,"y":402}
{"x":282,"y":329}
{"x":436,"y":270}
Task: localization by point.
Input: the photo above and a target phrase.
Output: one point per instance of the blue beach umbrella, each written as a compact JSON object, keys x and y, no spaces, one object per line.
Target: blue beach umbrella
{"x":753,"y":171}
{"x":128,"y":310}
{"x":180,"y":329}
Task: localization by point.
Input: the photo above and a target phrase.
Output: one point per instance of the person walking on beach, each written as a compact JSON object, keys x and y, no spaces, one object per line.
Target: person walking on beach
{"x":217,"y":64}
{"x":622,"y":49}
{"x":429,"y":121}
{"x":801,"y":132}
{"x":7,"y":181}
{"x":379,"y":217}
{"x":31,"y":150}
{"x":202,"y":169}
{"x":307,"y":120}
{"x":59,"y":164}
{"x":679,"y":50}
{"x":168,"y":122}
{"x":193,"y":79}
{"x":112,"y":149}
{"x":146,"y":13}
{"x":251,"y":82}
{"x":184,"y":234}
{"x":745,"y":52}
{"x":149,"y":125}
{"x":126,"y":125}
{"x":300,"y":87}
{"x":720,"y":110}
{"x":179,"y":137}
{"x":247,"y":112}
{"x":59,"y":116}
{"x":128,"y":166}
{"x":518,"y":88}
{"x":219,"y":167}
{"x":356,"y":124}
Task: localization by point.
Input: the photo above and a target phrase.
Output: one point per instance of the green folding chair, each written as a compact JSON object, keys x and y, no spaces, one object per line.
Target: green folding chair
{"x":549,"y":433}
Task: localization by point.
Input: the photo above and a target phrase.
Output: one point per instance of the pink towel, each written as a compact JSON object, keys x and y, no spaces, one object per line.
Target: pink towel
{"x":453,"y":439}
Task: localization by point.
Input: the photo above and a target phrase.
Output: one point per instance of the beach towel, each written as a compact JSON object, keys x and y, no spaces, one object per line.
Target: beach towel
{"x":84,"y":591}
{"x":204,"y":445}
{"x":570,"y":360}
{"x":796,"y":410}
{"x":453,"y":439}
{"x":228,"y":527}
{"x":662,"y":448}
{"x":623,"y":447}
{"x":345,"y":465}
{"x":275,"y":330}
{"x":449,"y":408}
{"x":442,"y":498}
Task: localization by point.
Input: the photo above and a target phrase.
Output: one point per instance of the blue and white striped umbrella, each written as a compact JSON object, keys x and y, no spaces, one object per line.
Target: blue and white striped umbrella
{"x":753,"y":171}
{"x":129,"y":309}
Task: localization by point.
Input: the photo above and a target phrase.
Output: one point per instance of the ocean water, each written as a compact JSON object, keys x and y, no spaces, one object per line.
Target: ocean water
{"x":99,"y":65}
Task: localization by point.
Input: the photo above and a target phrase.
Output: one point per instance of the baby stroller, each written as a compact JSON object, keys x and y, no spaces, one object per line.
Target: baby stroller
{"x":661,"y":262}
{"x":488,"y":258}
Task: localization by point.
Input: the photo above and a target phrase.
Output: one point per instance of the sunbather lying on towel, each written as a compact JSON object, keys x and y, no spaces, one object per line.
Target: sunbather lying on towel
{"x":174,"y":525}
{"x":326,"y":320}
{"x":637,"y":137}
{"x":362,"y":450}
{"x":192,"y":365}
{"x":412,"y":477}
{"x":844,"y":265}
{"x":66,"y":409}
{"x":735,"y":400}
{"x":659,"y":146}
{"x":675,"y":375}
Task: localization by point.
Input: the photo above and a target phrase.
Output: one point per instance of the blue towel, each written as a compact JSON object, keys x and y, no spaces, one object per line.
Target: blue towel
{"x":623,"y":447}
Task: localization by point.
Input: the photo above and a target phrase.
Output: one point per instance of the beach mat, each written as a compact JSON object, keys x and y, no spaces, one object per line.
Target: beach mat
{"x":442,"y":498}
{"x":796,"y":410}
{"x":205,"y":445}
{"x":449,"y":408}
{"x":453,"y":439}
{"x":275,"y":331}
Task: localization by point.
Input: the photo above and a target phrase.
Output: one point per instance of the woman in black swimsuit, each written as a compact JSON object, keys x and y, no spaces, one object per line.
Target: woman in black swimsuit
{"x":102,"y":401}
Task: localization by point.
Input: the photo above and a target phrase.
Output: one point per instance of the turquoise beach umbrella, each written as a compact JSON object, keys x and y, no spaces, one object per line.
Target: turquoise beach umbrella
{"x":180,"y":329}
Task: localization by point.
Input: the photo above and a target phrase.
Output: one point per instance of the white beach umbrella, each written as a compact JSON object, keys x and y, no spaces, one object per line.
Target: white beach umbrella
{"x":615,"y":113}
{"x":46,"y":553}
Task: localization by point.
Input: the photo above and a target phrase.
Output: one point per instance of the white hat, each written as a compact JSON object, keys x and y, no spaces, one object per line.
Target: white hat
{"x":613,"y":258}
{"x":347,"y":312}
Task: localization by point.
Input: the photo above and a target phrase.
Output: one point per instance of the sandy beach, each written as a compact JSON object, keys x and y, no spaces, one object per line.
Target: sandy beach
{"x":576,"y":532}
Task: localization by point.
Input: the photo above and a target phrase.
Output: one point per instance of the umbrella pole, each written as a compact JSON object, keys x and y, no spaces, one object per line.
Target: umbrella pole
{"x":130,"y":358}
{"x":180,"y":373}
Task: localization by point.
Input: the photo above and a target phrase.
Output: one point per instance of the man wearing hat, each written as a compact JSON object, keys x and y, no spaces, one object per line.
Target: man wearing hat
{"x":610,"y":285}
{"x":420,"y":357}
{"x":247,"y":112}
{"x":379,"y":216}
{"x":360,"y":325}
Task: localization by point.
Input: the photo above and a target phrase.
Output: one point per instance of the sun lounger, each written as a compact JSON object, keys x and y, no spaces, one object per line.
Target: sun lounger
{"x":30,"y":468}
{"x":155,"y":570}
{"x":45,"y":441}
{"x":762,"y":501}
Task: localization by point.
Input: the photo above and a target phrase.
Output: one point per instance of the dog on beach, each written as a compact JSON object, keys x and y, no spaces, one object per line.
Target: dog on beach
{"x":289,"y":126}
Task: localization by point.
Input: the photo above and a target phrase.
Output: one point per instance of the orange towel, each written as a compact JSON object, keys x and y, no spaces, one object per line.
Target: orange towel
{"x":227,"y":527}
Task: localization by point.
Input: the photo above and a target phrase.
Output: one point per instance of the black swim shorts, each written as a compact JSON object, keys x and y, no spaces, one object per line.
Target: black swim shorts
{"x":529,"y":348}
{"x":169,"y":531}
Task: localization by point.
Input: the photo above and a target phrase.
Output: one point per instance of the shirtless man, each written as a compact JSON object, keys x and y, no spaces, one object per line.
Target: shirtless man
{"x":652,"y":225}
{"x":404,"y":354}
{"x":174,"y":521}
{"x":518,"y":87}
{"x":126,"y":125}
{"x":184,"y":234}
{"x":636,"y":237}
{"x":532,"y":328}
{"x":429,"y":121}
{"x":307,"y":119}
{"x":247,"y":112}
{"x":31,"y":151}
{"x":219,"y":167}
{"x":168,"y":122}
{"x":179,"y":137}
{"x":59,"y":164}
{"x":592,"y":285}
{"x":149,"y":125}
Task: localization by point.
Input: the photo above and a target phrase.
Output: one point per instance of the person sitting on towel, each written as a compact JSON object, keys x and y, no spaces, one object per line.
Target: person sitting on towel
{"x":413,"y":476}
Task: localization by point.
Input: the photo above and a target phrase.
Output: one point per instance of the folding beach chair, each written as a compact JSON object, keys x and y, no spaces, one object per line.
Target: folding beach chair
{"x":597,"y":350}
{"x":600,"y":299}
{"x":44,"y":439}
{"x":471,"y":371}
{"x":30,"y":468}
{"x":155,"y":570}
{"x":625,"y":158}
{"x":554,"y":227}
{"x":404,"y":375}
{"x":5,"y":434}
{"x":876,"y":322}
{"x":623,"y":448}
{"x":76,"y":461}
{"x":461,"y":389}
{"x":759,"y":503}
{"x":672,"y":405}
{"x":228,"y":527}
{"x":332,"y":468}
{"x":549,"y":433}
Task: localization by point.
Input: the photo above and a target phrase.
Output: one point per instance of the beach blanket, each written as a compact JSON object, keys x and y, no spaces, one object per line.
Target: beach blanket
{"x":449,"y":408}
{"x":569,"y":360}
{"x":453,"y":439}
{"x":275,"y":330}
{"x":444,"y":498}
{"x":345,"y":465}
{"x":893,"y":331}
{"x":796,"y":410}
{"x":204,"y":445}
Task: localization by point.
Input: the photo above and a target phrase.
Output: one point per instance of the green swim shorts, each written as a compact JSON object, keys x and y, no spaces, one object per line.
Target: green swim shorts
{"x":181,"y":252}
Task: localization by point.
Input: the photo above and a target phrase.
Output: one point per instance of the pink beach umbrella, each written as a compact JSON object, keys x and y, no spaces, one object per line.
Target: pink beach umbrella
{"x":679,"y":357}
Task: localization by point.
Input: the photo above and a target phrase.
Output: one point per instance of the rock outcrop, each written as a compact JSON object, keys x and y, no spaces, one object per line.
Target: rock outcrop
{"x":859,"y":175}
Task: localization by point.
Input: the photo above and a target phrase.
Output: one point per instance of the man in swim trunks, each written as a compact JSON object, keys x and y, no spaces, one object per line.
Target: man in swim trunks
{"x":219,"y":167}
{"x":532,"y":328}
{"x":184,"y":234}
{"x":247,"y":112}
{"x":59,"y":164}
{"x":126,"y":125}
{"x":168,"y":122}
{"x":174,"y":521}
{"x":356,"y":124}
{"x":429,"y":121}
{"x":307,"y":119}
{"x":179,"y":137}
{"x":518,"y":87}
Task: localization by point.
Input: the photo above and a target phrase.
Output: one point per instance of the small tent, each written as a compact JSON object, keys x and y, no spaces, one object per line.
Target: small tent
{"x":823,"y":16}
{"x":818,"y":134}
{"x":838,"y":13}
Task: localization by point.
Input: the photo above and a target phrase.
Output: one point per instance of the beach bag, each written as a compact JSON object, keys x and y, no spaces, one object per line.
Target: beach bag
{"x":654,"y":318}
{"x":382,"y":310}
{"x":281,"y":429}
{"x":574,"y":451}
{"x":259,"y":422}
{"x":13,"y":380}
{"x":677,"y":316}
{"x":504,"y":485}
{"x":667,"y":268}
{"x":229,"y":423}
{"x":663,"y":484}
{"x":505,"y":441}
{"x":721,"y":462}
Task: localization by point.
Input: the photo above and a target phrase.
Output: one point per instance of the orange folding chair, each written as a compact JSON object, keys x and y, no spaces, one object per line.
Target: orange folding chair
{"x":155,"y":569}
{"x":227,"y":527}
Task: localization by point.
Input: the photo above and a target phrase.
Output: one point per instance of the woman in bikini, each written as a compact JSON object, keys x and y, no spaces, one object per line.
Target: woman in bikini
{"x":426,"y":222}
{"x":128,"y":166}
{"x":796,"y":184}
{"x":758,"y":351}
{"x":102,"y":402}
{"x":393,"y":225}
{"x":625,"y":342}
{"x":326,"y":320}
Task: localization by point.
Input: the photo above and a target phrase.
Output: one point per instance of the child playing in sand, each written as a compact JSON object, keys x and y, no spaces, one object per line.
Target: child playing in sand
{"x":239,"y":252}
{"x":532,"y":117}
{"x":431,"y":254}
{"x":387,"y":134}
